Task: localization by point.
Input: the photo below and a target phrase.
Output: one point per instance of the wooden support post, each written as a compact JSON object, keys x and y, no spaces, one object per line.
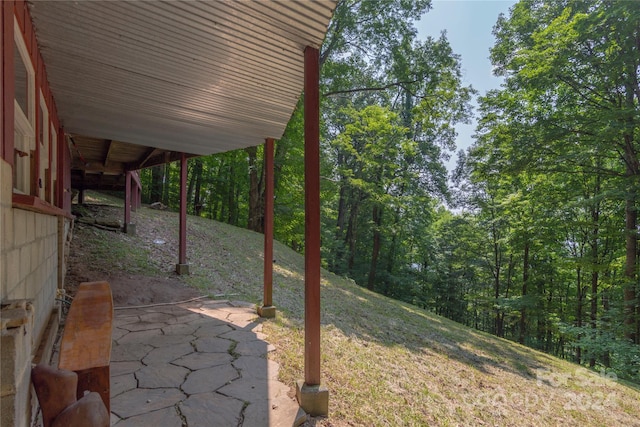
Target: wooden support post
{"x":313,"y":398}
{"x":312,"y":217}
{"x":182,"y":267}
{"x":134,"y":197}
{"x":267,"y":309}
{"x":129,"y":228}
{"x":136,"y":203}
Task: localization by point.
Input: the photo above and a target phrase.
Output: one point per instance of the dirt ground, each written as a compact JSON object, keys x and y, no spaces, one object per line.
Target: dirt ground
{"x":127,"y":289}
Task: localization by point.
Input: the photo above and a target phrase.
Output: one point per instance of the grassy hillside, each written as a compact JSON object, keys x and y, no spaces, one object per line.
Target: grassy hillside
{"x":385,"y":363}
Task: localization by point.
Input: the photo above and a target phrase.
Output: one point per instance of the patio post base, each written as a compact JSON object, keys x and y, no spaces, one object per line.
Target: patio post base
{"x":267,"y":311}
{"x":182,"y":269}
{"x":313,"y":399}
{"x":130,"y":228}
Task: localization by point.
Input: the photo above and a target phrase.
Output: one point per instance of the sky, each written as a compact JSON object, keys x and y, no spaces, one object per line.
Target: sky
{"x":469,"y":25}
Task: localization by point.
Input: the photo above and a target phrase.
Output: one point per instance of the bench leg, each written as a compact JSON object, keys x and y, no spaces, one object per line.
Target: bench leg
{"x":55,"y":389}
{"x":86,"y":412}
{"x":95,"y":379}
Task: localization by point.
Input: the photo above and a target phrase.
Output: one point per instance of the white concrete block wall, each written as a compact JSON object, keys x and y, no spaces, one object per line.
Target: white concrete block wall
{"x":28,"y":270}
{"x":32,"y":264}
{"x":29,"y":255}
{"x":15,"y":394}
{"x":7,"y":237}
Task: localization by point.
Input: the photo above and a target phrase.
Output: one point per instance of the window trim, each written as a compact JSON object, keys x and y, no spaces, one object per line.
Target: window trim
{"x":34,"y":204}
{"x":23,"y":147}
{"x":24,"y":122}
{"x":43,"y":150}
{"x":31,"y":73}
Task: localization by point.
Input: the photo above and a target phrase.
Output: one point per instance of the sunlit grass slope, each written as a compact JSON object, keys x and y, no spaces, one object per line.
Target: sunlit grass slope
{"x":387,"y":363}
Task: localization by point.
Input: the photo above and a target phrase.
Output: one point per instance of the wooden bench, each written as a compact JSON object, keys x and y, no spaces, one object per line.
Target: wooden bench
{"x":86,"y":341}
{"x":56,"y":391}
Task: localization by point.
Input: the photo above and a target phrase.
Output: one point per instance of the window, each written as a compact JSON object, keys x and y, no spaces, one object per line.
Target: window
{"x":23,"y":151}
{"x":22,"y":80}
{"x":24,"y":106}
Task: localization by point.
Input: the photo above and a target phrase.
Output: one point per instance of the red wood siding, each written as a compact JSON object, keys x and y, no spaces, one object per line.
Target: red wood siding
{"x":8,"y":89}
{"x":20,"y":10}
{"x":2,"y":155}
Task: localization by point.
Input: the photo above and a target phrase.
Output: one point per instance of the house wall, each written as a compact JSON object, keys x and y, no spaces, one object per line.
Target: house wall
{"x":34,"y":233}
{"x":16,"y":346}
{"x":29,"y":275}
{"x":30,"y":251}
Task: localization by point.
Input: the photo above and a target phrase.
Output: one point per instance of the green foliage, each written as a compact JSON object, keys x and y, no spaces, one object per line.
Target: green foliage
{"x":389,"y":119}
{"x":550,"y":175}
{"x":542,"y":246}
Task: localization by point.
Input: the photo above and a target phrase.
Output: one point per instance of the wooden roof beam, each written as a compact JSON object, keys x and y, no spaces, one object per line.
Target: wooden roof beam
{"x":110,"y":144}
{"x":159,"y":158}
{"x":145,"y":158}
{"x":113,"y":168}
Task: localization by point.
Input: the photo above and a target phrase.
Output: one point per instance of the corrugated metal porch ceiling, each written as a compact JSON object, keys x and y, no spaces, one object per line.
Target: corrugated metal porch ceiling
{"x":190,"y":76}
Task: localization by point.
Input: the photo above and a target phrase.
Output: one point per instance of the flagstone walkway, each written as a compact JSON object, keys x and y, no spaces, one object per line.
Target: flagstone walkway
{"x":202,"y":363}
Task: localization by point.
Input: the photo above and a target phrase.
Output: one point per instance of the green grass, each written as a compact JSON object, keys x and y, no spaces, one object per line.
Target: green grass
{"x":108,"y":250}
{"x":114,"y":251}
{"x":386,"y":363}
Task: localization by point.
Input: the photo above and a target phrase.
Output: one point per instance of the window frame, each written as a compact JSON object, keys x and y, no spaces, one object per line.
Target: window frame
{"x":54,"y":163}
{"x":24,"y":131}
{"x":44,"y":164}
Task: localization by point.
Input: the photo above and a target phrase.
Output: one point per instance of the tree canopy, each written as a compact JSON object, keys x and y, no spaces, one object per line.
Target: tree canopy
{"x":534,"y":236}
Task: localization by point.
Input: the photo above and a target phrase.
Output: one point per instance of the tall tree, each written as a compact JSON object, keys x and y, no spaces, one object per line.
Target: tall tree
{"x":155,"y":189}
{"x":256,"y":191}
{"x":577,"y":65}
{"x":197,"y":172}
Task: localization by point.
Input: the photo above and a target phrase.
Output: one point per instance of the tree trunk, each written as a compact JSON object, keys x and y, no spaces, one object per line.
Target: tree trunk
{"x":391,"y":259}
{"x":541,"y":313}
{"x":216,"y":208}
{"x":549,"y":338}
{"x":235,"y":220}
{"x":256,"y":207}
{"x":579,"y":311}
{"x":336,"y":259}
{"x":391,"y":254}
{"x":525,"y":280}
{"x":166,"y":181}
{"x":350,"y":238}
{"x":279,"y":159}
{"x":497,"y":260}
{"x":342,"y":209}
{"x":197,"y":169}
{"x":630,"y":273}
{"x":595,"y":261}
{"x":190,"y":186}
{"x":157,"y":177}
{"x":631,"y":220}
{"x":230,"y":193}
{"x":375,"y":252}
{"x":606,"y":357}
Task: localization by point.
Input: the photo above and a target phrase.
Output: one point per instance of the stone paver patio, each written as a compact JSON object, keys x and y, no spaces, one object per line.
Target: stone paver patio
{"x":202,"y":363}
